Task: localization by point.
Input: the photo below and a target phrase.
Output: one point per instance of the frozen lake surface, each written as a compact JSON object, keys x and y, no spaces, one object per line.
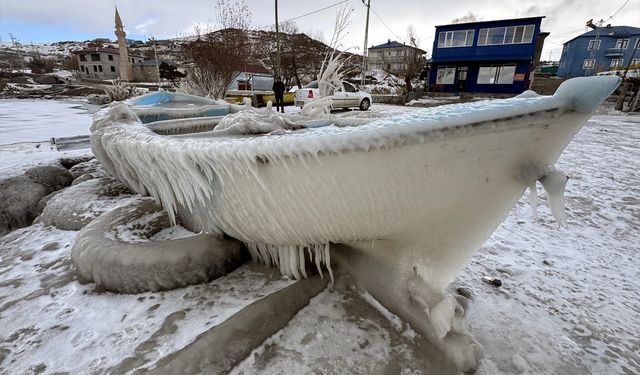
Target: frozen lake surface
{"x":39,"y":120}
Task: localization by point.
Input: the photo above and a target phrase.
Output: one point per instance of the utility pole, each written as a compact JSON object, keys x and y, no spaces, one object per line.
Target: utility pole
{"x":366,"y":35}
{"x":592,"y":55}
{"x":277,"y":43}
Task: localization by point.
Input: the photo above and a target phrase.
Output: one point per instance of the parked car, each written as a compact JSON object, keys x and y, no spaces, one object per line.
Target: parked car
{"x":347,"y":97}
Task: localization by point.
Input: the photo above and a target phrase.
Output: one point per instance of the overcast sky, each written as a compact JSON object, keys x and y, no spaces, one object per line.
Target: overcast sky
{"x":57,"y":20}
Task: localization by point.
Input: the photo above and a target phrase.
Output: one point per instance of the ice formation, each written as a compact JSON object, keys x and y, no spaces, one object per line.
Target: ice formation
{"x":116,"y":253}
{"x":413,"y":196}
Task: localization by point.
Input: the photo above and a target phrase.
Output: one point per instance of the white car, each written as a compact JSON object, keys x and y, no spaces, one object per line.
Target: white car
{"x":347,"y":97}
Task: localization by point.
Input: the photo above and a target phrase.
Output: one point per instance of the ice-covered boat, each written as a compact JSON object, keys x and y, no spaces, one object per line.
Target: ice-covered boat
{"x":412,"y":196}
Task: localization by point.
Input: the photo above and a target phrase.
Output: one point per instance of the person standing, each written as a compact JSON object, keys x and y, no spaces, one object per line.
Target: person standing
{"x":278,"y":91}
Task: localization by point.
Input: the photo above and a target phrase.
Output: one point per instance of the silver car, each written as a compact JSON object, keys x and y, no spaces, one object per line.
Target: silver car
{"x":346,"y":97}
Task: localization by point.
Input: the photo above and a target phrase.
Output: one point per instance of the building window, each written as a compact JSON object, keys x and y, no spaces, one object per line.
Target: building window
{"x":95,"y":68}
{"x":446,"y":75}
{"x":113,"y":68}
{"x":622,"y":43}
{"x":588,"y":64}
{"x":637,"y":44}
{"x":506,"y":35}
{"x":496,"y":74}
{"x":615,"y":63}
{"x":100,"y":67}
{"x":593,"y":45}
{"x":110,"y":57}
{"x":458,"y":38}
{"x":83,"y":58}
{"x":388,"y":66}
{"x":635,"y":62}
{"x":95,"y":57}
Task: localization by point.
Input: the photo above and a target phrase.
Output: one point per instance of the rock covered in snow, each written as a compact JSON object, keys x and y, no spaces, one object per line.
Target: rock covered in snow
{"x":20,"y":194}
{"x":91,"y":166}
{"x":71,"y":161}
{"x":78,"y":205}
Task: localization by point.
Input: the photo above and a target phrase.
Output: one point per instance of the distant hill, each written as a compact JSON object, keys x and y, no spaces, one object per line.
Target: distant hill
{"x":301,"y":56}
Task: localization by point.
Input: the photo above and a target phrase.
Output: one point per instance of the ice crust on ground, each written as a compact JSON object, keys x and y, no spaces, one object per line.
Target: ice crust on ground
{"x":339,"y":332}
{"x":51,"y":321}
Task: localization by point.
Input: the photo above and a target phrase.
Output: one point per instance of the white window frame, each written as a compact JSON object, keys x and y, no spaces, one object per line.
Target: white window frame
{"x":594,"y":45}
{"x":637,"y":46}
{"x":616,"y":63}
{"x":448,"y":71}
{"x":622,"y":43}
{"x":447,"y":41}
{"x":498,"y":74}
{"x":508,"y":35}
{"x":635,"y":61}
{"x":589,"y":64}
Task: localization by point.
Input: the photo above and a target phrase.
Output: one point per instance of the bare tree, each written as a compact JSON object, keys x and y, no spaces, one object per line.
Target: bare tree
{"x":216,"y":57}
{"x":233,"y":15}
{"x":413,"y":58}
{"x":71,"y":63}
{"x":40,"y":64}
{"x":301,"y":56}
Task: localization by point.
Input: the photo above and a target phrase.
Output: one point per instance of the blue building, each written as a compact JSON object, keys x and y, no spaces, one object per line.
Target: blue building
{"x":601,"y":49}
{"x":488,"y":57}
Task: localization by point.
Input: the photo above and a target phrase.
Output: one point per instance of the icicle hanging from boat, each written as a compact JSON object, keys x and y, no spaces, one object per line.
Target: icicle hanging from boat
{"x":554,"y":183}
{"x":291,"y":259}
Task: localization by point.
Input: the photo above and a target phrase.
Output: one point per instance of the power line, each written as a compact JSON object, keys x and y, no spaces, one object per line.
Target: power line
{"x":310,"y":13}
{"x":556,"y":35}
{"x":385,"y":25}
{"x":623,"y":5}
{"x":565,"y":33}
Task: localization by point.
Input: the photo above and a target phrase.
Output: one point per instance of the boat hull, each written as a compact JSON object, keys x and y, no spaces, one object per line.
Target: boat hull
{"x":404,"y":201}
{"x":445,"y":195}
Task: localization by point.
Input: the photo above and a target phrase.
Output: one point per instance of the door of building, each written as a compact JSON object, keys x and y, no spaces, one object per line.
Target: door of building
{"x":461,"y":78}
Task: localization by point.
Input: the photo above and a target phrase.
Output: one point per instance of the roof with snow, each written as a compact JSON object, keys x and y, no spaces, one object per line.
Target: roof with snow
{"x":492,"y":21}
{"x":254,"y":68}
{"x":394,"y":44}
{"x":113,"y":51}
{"x":612,"y":31}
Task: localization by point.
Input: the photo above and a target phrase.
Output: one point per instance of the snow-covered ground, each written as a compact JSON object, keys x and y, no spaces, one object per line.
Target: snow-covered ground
{"x":569,"y":303}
